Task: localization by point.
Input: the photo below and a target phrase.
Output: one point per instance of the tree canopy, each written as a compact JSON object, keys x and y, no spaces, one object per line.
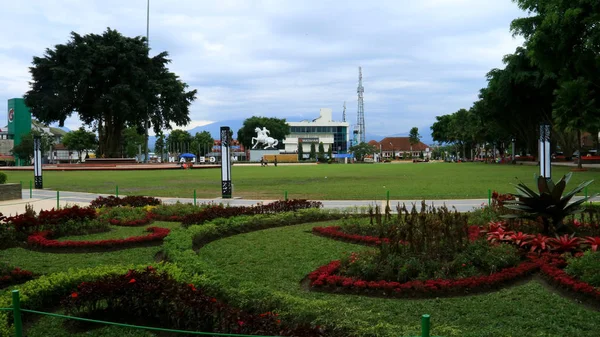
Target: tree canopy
{"x":278,"y":129}
{"x":361,"y":150}
{"x":80,"y":140}
{"x":110,"y":81}
{"x":552,"y":78}
{"x":202,"y":143}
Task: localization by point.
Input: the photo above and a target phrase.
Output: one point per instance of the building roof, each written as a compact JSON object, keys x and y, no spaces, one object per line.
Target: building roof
{"x":400,"y":144}
{"x":374,"y":143}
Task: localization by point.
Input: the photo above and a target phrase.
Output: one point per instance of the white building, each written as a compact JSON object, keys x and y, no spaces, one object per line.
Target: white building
{"x":323,"y":129}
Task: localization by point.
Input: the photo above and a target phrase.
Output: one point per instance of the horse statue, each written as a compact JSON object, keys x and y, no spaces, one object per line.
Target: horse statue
{"x":263,"y":138}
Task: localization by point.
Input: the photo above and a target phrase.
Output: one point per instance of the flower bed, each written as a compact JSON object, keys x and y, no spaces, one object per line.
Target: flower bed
{"x":551,"y":266}
{"x":220,"y":211}
{"x":148,"y":218}
{"x":15,"y":275}
{"x":158,"y":297}
{"x":133,"y":201}
{"x":325,"y":277}
{"x":336,"y":232}
{"x":41,"y":240}
{"x":48,"y":220}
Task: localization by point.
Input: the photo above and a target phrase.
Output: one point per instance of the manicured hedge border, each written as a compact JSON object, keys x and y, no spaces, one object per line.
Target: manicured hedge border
{"x":336,"y":233}
{"x":47,"y":290}
{"x":551,"y":267}
{"x":40,"y":240}
{"x":179,"y":248}
{"x":325,"y":277}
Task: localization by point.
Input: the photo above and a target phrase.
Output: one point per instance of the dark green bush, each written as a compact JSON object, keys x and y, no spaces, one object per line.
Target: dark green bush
{"x":478,"y":258}
{"x":2,"y":178}
{"x":586,"y":268}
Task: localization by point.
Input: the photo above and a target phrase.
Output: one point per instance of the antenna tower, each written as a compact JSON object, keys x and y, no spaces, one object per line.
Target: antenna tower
{"x":344,"y":114}
{"x":360,"y":124}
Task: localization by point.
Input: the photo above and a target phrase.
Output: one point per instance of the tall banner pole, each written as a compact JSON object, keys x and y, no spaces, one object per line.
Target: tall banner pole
{"x":226,"y":188}
{"x":37,"y":162}
{"x":545,"y":151}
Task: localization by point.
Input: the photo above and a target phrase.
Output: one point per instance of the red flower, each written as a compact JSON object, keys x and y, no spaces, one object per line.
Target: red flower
{"x":213,"y":300}
{"x":74,"y":295}
{"x":132,"y":280}
{"x":192,"y":287}
{"x":240,"y":323}
{"x":594,"y":242}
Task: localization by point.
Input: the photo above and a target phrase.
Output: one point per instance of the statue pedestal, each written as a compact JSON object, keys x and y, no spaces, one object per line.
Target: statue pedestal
{"x":255,"y":155}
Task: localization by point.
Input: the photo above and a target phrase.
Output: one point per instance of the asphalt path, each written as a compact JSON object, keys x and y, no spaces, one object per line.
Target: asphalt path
{"x":462,"y":205}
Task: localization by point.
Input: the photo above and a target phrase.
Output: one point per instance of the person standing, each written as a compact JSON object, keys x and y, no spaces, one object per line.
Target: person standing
{"x":275,"y":162}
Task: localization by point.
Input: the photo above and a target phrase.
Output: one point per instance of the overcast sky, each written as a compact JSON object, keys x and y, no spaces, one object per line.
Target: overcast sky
{"x":287,"y":59}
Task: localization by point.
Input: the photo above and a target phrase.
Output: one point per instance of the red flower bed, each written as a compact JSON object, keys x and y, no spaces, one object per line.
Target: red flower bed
{"x":325,"y":277}
{"x":133,"y":201}
{"x":15,"y":276}
{"x":335,"y":233}
{"x":159,"y":298}
{"x":132,"y":223}
{"x":218,"y":211}
{"x":550,"y":266}
{"x":41,"y":240}
{"x":27,"y":224}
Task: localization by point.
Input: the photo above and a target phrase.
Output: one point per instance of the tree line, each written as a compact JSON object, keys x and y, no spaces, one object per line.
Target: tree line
{"x":552,"y":79}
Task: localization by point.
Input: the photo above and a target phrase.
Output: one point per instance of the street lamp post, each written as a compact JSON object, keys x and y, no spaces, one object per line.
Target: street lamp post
{"x":147,"y":122}
{"x":514,"y":159}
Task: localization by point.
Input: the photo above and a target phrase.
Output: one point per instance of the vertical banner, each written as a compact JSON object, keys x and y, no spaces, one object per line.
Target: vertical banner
{"x":37,"y":162}
{"x":545,"y":151}
{"x":226,"y":189}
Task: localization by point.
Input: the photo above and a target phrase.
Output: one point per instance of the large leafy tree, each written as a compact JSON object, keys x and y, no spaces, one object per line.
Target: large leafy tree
{"x":111,"y":83}
{"x":80,"y":140}
{"x":562,"y":38}
{"x":202,"y":143}
{"x":131,"y":142}
{"x":159,"y":145}
{"x":278,"y":129}
{"x":413,"y":137}
{"x":361,"y":150}
{"x":25,"y":149}
{"x":179,"y":141}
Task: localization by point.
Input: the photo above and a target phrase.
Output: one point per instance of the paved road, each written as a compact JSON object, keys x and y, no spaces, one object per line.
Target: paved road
{"x":461,"y":205}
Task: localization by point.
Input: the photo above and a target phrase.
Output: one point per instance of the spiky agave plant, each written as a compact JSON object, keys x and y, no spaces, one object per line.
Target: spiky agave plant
{"x":549,"y":203}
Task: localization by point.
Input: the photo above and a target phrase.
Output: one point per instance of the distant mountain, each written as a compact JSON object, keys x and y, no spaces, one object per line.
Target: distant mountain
{"x":215,"y":128}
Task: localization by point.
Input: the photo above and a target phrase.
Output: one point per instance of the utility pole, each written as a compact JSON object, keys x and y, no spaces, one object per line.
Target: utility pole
{"x":148,"y":46}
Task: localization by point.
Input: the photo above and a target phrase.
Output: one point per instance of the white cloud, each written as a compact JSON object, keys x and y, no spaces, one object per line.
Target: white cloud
{"x":289,"y":58}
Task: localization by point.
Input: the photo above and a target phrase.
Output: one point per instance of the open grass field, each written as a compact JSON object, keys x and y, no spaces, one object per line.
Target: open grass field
{"x":317,"y":182}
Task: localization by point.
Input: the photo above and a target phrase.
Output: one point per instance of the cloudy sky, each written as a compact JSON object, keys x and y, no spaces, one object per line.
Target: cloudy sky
{"x":287,"y":59}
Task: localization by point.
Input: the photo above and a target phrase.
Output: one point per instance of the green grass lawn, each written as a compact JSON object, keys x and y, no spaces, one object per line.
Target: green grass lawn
{"x":45,"y":262}
{"x":329,"y":182}
{"x":274,"y":261}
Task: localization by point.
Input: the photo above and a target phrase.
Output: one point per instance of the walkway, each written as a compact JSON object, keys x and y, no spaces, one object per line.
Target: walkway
{"x":48,"y":199}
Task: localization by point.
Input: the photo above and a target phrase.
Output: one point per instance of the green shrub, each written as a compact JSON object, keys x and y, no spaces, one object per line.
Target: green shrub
{"x":478,"y":258}
{"x":586,"y":268}
{"x":2,"y":178}
{"x":122,"y":214}
{"x":178,"y":209}
{"x":78,"y":227}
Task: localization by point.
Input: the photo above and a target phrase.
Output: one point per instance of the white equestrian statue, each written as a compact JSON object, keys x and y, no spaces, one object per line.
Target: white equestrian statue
{"x":262,"y":137}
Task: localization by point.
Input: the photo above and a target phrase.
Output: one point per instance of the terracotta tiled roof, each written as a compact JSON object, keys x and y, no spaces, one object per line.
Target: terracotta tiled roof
{"x":374,"y":143}
{"x":400,"y":144}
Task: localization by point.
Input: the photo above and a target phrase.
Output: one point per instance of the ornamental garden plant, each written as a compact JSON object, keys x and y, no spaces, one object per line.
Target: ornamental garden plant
{"x":436,"y":252}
